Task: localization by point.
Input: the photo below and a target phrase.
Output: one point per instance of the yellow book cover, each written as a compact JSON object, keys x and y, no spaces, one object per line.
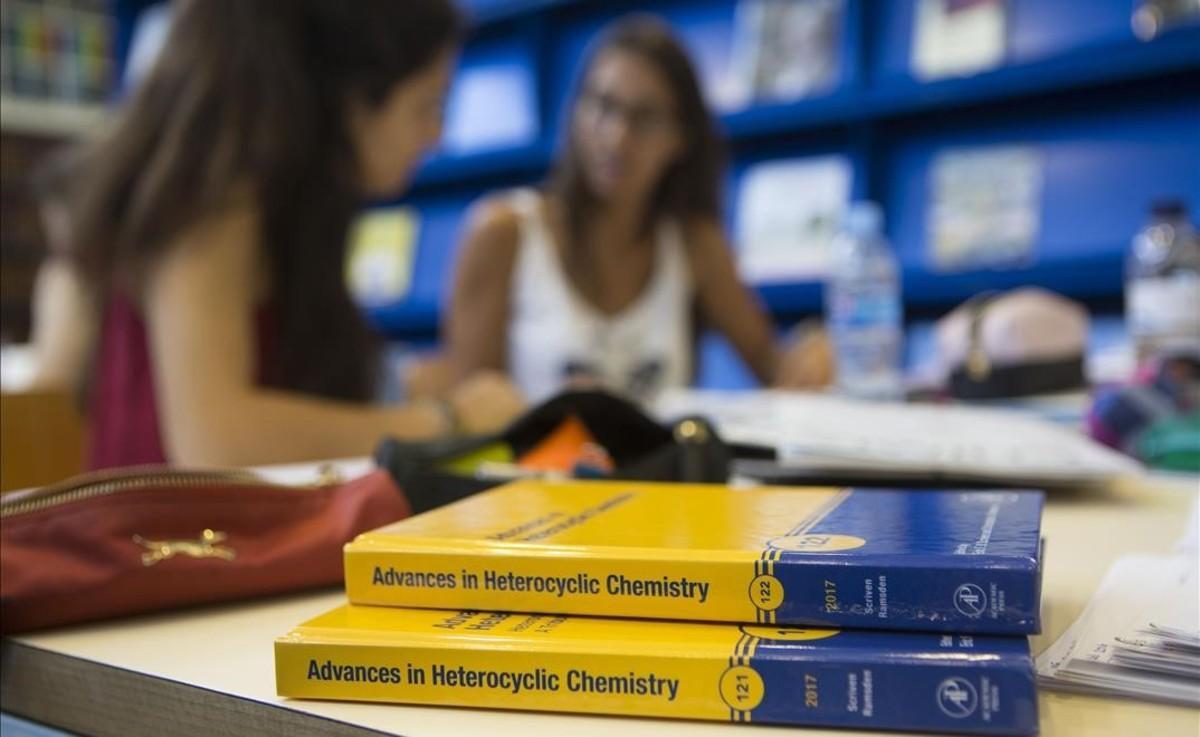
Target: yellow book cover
{"x":751,"y":673}
{"x":887,"y":559}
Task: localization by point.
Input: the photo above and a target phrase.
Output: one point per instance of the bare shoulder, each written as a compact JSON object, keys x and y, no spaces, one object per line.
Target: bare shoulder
{"x":493,"y":230}
{"x":703,"y":228}
{"x":221,"y":251}
{"x":704,"y":236}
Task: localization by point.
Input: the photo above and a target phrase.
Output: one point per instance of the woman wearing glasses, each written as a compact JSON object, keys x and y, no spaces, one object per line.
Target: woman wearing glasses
{"x":596,"y":278}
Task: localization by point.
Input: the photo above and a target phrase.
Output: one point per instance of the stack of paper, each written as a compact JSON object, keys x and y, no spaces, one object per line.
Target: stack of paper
{"x":834,"y":435}
{"x":1139,"y":635}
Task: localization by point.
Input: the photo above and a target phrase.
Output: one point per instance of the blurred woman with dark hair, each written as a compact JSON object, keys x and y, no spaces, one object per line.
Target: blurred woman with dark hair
{"x":210,"y":226}
{"x":596,"y":277}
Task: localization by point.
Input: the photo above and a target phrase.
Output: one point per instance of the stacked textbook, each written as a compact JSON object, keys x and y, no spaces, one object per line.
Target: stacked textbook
{"x":885,"y":609}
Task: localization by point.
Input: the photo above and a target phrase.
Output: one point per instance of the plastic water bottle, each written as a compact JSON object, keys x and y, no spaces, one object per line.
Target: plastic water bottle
{"x":1162,"y":284}
{"x":863,"y":307}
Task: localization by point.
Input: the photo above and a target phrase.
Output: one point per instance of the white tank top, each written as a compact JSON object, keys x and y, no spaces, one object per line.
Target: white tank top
{"x":554,"y":334}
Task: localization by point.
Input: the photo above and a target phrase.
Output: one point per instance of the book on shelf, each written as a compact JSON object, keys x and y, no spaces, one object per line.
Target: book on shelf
{"x":985,"y":207}
{"x":382,"y":254}
{"x":782,"y":51}
{"x":788,"y":211}
{"x":724,"y":672}
{"x":946,"y":561}
{"x":958,"y":38}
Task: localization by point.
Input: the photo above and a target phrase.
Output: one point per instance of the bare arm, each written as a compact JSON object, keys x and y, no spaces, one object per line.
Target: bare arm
{"x":64,"y":326}
{"x":477,"y":326}
{"x":727,"y":304}
{"x":199,"y":304}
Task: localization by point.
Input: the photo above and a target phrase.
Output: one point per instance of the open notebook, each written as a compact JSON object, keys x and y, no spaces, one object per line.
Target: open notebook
{"x":825,"y":436}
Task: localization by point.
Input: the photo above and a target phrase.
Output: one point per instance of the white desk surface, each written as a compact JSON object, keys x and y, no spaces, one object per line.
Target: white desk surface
{"x":196,"y":663}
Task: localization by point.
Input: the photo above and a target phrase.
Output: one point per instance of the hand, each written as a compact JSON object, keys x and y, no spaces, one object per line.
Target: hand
{"x":485,"y":402}
{"x":807,"y":363}
{"x":428,"y":377}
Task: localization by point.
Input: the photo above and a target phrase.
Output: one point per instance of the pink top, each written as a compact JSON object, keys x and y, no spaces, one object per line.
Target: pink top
{"x":124,"y":413}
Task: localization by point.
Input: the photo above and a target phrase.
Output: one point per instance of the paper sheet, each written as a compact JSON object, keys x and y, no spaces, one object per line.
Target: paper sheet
{"x":1113,"y":648}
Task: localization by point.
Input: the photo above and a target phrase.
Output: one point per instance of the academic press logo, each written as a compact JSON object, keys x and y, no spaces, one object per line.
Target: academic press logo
{"x":989,"y":497}
{"x":956,"y":697}
{"x":970,"y":600}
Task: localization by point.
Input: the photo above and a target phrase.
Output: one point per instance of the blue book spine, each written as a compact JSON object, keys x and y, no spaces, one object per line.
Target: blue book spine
{"x":966,"y":685}
{"x":969,"y":594}
{"x":966,"y":561}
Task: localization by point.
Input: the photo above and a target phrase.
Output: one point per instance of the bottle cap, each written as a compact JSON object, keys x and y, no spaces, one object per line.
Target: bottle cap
{"x":1169,"y":209}
{"x":864,"y":219}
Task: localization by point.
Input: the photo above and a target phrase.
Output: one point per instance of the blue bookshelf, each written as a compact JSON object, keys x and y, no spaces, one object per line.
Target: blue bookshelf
{"x":890,"y":124}
{"x":417,"y":315}
{"x":530,"y":159}
{"x":1115,"y":119}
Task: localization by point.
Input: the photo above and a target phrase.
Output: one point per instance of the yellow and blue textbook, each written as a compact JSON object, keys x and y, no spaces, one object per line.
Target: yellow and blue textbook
{"x":750,"y":673}
{"x":944,"y":561}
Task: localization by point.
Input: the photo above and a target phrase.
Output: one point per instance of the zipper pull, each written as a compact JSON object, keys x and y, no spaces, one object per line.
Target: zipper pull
{"x":328,"y":474}
{"x":692,"y":437}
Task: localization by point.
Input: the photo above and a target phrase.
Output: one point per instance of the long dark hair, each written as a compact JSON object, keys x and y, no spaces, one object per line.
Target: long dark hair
{"x":691,"y":185}
{"x":255,"y":93}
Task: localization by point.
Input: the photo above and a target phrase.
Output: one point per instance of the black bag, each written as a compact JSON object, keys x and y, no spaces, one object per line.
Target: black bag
{"x":641,"y":449}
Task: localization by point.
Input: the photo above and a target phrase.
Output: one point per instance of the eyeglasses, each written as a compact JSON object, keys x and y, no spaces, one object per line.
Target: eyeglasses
{"x":643,"y":120}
